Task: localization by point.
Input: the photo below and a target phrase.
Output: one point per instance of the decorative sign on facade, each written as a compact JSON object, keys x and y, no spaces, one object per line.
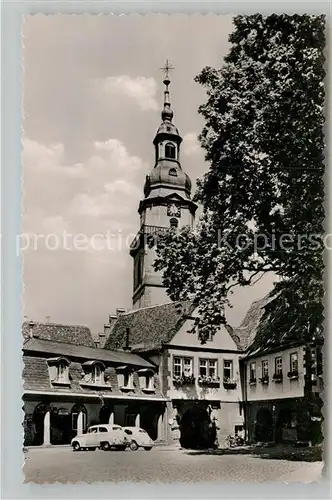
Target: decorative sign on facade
{"x":173,"y":210}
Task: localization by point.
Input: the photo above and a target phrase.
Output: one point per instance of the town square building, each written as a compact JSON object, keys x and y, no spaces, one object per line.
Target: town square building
{"x":146,"y":368}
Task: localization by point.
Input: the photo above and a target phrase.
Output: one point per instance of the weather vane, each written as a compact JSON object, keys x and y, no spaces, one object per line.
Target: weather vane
{"x":167,"y":68}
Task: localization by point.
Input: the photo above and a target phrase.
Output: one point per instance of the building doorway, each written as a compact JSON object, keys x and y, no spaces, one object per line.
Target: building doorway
{"x":264,"y":426}
{"x":195,"y":429}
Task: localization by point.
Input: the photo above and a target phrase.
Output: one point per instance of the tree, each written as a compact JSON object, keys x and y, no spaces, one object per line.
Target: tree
{"x":262,"y":195}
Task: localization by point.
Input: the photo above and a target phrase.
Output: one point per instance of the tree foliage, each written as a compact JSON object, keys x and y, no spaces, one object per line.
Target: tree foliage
{"x":263,"y":193}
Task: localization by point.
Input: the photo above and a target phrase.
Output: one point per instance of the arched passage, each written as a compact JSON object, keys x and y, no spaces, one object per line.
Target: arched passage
{"x":79,"y":419}
{"x":264,"y":426}
{"x":105,"y":413}
{"x":196,"y":429}
{"x":61,"y":426}
{"x":286,"y":428}
{"x":38,"y":424}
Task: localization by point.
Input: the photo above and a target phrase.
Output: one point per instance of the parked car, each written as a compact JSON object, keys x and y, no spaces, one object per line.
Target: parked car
{"x":105,"y":437}
{"x":139,"y":438}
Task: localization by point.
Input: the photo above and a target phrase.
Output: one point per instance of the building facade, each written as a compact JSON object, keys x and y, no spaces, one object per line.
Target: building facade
{"x":147,"y":369}
{"x":166,"y":203}
{"x":70,"y":385}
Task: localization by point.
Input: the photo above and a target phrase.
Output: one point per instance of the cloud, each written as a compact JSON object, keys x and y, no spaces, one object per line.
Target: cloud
{"x":88,"y":196}
{"x":141,"y":89}
{"x":191,"y":146}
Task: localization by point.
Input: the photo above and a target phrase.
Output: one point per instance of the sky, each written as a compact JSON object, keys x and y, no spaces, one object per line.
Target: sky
{"x":92,"y":97}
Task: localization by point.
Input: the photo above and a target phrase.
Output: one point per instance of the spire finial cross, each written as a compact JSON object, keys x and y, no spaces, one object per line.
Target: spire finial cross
{"x":167,"y":68}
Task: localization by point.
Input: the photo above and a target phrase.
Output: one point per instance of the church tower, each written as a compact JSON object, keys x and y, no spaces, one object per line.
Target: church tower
{"x":166,"y":203}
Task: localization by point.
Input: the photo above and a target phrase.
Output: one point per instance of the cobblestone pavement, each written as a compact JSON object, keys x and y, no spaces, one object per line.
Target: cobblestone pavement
{"x":159,"y":465}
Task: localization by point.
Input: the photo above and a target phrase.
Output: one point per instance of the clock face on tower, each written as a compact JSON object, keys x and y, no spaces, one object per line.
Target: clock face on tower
{"x":173,"y":210}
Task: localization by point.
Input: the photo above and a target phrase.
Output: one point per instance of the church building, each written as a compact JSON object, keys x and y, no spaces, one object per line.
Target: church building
{"x":146,"y":368}
{"x":201,"y":382}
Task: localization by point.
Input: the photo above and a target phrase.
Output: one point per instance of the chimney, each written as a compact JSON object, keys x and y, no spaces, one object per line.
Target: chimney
{"x":127,"y":346}
{"x":106,"y":332}
{"x":31,"y":332}
{"x":120,"y":311}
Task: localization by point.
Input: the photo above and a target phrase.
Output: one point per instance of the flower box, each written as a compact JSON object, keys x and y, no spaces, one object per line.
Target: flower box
{"x":277,"y":377}
{"x":229,"y":384}
{"x":184,"y":380}
{"x":252,"y":381}
{"x":209,"y":381}
{"x":293,"y":375}
{"x":264,"y":380}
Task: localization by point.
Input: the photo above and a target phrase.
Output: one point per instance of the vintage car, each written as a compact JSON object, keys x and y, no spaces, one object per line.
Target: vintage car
{"x":102,"y":436}
{"x":138,"y":438}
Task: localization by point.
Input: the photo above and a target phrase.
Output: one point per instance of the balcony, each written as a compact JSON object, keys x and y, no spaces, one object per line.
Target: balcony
{"x":229,"y":384}
{"x":264,"y":380}
{"x":150,"y":233}
{"x":184,"y":380}
{"x":277,"y":378}
{"x":252,"y":381}
{"x":209,"y":381}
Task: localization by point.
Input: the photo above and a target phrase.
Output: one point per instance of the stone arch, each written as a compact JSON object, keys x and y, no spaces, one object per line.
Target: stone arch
{"x":38,"y":417}
{"x":264,"y":426}
{"x":196,"y":429}
{"x":104,"y":413}
{"x":79,"y":423}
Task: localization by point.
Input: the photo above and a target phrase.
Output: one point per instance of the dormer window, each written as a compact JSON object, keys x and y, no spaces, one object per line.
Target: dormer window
{"x":96,"y":374}
{"x":172,"y":172}
{"x":146,"y":380}
{"x":59,"y":371}
{"x":125,"y":378}
{"x":93,"y":373}
{"x":170,"y":151}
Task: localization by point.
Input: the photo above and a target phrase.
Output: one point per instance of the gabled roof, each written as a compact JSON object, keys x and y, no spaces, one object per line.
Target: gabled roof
{"x":55,"y":332}
{"x":149,"y":327}
{"x":83,"y":352}
{"x":247,"y":331}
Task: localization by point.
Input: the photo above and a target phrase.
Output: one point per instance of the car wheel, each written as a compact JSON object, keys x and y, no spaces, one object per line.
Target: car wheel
{"x":105,"y":446}
{"x":76,"y":446}
{"x":148,"y":448}
{"x":133,"y":446}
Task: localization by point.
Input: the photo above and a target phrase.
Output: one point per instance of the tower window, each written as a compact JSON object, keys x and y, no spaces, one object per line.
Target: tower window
{"x":170,"y":150}
{"x":174,"y":222}
{"x":173,"y":172}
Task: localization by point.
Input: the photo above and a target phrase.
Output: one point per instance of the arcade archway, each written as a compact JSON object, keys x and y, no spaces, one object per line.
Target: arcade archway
{"x":196,"y":429}
{"x":264,"y":426}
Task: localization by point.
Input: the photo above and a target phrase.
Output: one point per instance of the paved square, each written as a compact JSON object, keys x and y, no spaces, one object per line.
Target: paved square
{"x":161,"y":464}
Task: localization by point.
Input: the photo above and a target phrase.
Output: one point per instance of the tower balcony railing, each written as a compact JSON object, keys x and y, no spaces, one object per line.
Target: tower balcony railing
{"x":147,"y":231}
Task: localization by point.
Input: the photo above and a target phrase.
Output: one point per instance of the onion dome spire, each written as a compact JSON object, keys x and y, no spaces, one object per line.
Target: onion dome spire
{"x":167,"y":112}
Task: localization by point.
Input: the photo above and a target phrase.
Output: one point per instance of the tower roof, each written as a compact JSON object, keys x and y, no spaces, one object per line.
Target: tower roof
{"x":167,"y":127}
